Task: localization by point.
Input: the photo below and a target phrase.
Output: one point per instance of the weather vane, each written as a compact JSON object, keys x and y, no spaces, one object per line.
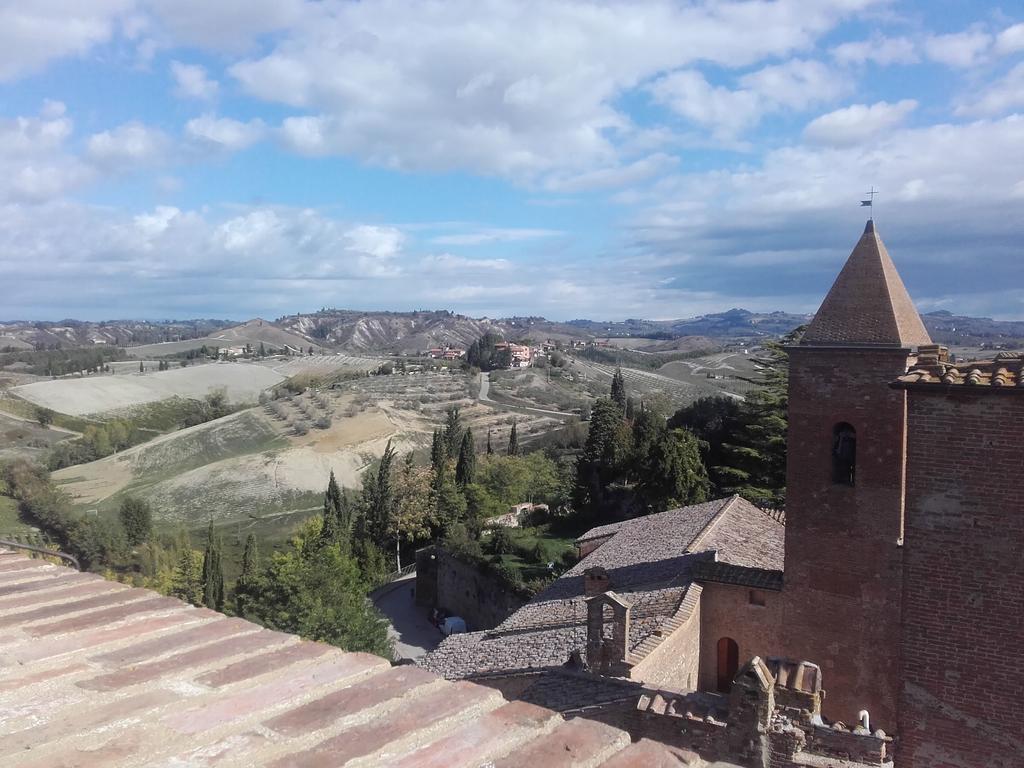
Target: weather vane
{"x":870,"y":201}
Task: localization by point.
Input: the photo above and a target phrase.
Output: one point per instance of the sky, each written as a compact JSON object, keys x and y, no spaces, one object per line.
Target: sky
{"x":240,"y":158}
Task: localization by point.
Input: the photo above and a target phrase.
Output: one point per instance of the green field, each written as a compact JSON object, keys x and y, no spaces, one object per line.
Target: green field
{"x":11,"y":524}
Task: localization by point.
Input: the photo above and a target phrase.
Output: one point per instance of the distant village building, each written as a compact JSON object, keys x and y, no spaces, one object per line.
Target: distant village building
{"x":520,"y":356}
{"x":517,"y":515}
{"x":446,"y":353}
{"x":895,"y":576}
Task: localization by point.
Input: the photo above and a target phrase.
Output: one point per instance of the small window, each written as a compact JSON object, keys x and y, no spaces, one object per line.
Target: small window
{"x":756,"y":597}
{"x":844,"y":454}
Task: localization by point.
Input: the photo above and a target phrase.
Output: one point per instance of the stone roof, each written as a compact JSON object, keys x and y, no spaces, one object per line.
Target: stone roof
{"x":95,"y":673}
{"x":868,"y":303}
{"x":934,"y":371}
{"x":650,"y":563}
{"x":726,"y":573}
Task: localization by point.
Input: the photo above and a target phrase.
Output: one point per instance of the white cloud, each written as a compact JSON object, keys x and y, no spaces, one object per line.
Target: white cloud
{"x":533,"y":88}
{"x":224,"y":133}
{"x":35,"y":165}
{"x":959,"y":50}
{"x":1002,"y":96}
{"x":857,"y":123}
{"x":128,"y":146}
{"x":795,"y":84}
{"x":192,"y":82}
{"x":494,"y":235}
{"x":690,"y":95}
{"x":1010,"y":40}
{"x":231,"y":25}
{"x":879,"y":49}
{"x":32,"y":34}
{"x":447,"y":262}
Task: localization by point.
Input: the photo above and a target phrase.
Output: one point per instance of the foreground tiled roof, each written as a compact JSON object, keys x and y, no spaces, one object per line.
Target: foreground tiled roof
{"x":94,"y":673}
{"x":1005,"y":372}
{"x":649,"y":561}
{"x":868,"y":303}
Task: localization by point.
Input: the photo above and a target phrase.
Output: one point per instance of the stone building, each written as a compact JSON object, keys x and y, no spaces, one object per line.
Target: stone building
{"x":897,"y":571}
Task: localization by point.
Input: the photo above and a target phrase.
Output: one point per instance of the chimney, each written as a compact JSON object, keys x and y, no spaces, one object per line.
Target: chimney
{"x":595,"y":581}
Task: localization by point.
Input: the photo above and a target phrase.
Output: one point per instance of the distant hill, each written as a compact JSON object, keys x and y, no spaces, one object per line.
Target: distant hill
{"x":394,"y":332}
{"x":946,"y":328}
{"x":734,"y":323}
{"x":404,"y":332}
{"x":79,"y":333}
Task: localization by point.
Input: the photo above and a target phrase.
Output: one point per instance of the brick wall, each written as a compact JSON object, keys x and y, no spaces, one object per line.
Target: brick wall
{"x":841,"y":606}
{"x":961,"y":703}
{"x":726,"y":611}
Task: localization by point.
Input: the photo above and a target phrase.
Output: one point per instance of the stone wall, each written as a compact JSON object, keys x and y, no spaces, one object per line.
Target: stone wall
{"x":674,"y":662}
{"x":726,"y":611}
{"x":843,"y":591}
{"x":463,"y":590}
{"x":961,"y":703}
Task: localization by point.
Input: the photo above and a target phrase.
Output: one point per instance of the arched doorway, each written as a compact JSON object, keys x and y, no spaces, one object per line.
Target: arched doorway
{"x":728,"y":663}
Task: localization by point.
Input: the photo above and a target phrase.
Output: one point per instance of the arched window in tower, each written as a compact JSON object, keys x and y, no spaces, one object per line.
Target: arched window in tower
{"x":844,"y":454}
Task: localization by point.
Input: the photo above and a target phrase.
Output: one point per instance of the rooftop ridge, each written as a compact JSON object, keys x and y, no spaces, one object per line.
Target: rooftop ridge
{"x":868,"y":304}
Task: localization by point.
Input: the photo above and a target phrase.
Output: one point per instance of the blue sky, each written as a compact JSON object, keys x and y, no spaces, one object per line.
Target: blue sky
{"x":181,"y":158}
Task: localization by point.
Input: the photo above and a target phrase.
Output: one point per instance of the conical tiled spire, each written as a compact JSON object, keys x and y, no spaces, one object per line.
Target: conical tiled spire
{"x":868,"y":303}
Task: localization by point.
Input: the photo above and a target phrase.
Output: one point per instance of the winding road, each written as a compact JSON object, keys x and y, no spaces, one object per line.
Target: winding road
{"x":483,"y":397}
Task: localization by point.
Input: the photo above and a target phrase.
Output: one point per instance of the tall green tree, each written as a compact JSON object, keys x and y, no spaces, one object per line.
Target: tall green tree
{"x":319,"y":593}
{"x":137,"y":520}
{"x":186,"y":583}
{"x":465,"y":469}
{"x":437,"y":453}
{"x":618,"y":391}
{"x":412,"y":517}
{"x":754,"y":457}
{"x":213,"y":574}
{"x":333,"y":527}
{"x":248,"y":584}
{"x":513,"y":441}
{"x":604,"y":461}
{"x":452,"y":433}
{"x":673,"y":473}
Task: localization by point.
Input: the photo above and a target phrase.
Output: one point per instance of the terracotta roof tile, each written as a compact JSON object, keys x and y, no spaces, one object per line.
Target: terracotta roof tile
{"x":934,"y":370}
{"x":868,"y":303}
{"x":153,"y":681}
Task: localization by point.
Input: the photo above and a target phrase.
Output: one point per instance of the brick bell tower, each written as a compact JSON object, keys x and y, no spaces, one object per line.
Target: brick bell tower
{"x":846,"y":476}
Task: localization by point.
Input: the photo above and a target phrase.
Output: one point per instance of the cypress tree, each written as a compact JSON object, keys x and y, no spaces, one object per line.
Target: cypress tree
{"x":452,"y":433}
{"x":213,"y":575}
{"x":331,"y":529}
{"x":437,"y":457}
{"x":247,"y":586}
{"x":466,"y":468}
{"x":618,"y":393}
{"x":513,"y":441}
{"x":186,"y":584}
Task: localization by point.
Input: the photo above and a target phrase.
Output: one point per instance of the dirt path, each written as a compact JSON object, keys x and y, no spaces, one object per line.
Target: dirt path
{"x":51,"y":427}
{"x":485,"y":386}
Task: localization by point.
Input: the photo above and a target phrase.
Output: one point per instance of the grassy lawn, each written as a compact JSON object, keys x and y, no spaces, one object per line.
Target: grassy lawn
{"x":532,"y":564}
{"x":11,"y":524}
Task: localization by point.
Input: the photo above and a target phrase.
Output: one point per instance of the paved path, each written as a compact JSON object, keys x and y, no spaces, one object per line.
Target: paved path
{"x":413,"y":634}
